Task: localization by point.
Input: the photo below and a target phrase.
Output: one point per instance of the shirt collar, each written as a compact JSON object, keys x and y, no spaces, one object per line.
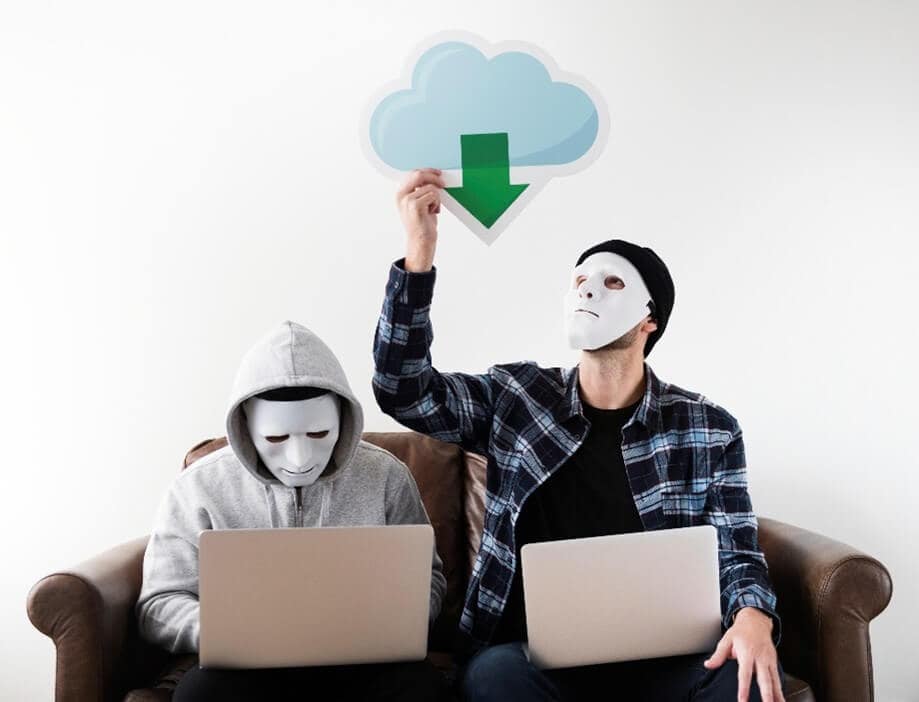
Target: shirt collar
{"x":648,"y":412}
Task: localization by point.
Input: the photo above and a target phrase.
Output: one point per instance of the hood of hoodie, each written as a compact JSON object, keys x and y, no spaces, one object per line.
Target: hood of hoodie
{"x":291,"y":356}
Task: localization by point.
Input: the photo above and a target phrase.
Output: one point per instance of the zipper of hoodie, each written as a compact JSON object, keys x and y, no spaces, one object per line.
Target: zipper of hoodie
{"x":299,"y":506}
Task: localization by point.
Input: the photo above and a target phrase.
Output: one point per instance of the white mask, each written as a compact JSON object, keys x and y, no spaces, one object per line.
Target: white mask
{"x":607,"y":298}
{"x":294,"y":439}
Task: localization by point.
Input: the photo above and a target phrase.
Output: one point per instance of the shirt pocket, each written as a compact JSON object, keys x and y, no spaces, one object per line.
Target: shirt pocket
{"x":684,"y":507}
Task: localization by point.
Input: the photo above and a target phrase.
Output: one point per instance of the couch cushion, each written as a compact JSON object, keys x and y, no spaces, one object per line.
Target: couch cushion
{"x":474,"y":467}
{"x":166,"y":681}
{"x":202,"y":448}
{"x":795,"y":690}
{"x":437,"y":468}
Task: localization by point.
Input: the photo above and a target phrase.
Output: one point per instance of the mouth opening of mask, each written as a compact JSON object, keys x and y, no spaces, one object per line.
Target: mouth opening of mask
{"x":588,"y":312}
{"x":296,"y":473}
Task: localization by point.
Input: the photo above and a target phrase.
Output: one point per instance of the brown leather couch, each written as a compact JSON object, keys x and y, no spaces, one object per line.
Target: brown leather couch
{"x":828,"y":593}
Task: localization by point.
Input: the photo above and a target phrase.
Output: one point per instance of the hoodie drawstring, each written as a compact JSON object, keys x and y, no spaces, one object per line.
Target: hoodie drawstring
{"x":269,"y":503}
{"x":326,"y":500}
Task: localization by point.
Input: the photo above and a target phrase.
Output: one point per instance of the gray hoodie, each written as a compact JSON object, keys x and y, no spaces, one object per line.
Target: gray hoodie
{"x":231,"y":488}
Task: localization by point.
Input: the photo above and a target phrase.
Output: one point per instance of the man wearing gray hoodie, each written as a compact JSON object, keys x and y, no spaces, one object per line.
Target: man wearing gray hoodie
{"x":348,"y":482}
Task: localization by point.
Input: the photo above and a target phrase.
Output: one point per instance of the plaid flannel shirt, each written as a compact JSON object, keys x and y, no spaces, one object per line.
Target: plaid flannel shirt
{"x":683,"y":454}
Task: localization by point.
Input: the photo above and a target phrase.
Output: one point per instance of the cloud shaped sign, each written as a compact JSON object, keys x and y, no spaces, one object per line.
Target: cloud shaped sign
{"x":499,"y":120}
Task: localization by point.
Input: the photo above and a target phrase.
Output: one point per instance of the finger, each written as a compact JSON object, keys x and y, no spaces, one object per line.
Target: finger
{"x":717,"y":659}
{"x":423,"y":190}
{"x":744,"y":675}
{"x":777,"y":684}
{"x":412,"y":181}
{"x":425,"y":202}
{"x":418,"y":178}
{"x":764,"y":680}
{"x":425,"y":199}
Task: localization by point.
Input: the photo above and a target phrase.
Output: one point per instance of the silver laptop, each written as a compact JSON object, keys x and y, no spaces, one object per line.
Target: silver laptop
{"x":315,"y":596}
{"x":618,"y":598}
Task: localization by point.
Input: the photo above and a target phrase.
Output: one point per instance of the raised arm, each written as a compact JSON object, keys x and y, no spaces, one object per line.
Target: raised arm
{"x":454,"y":407}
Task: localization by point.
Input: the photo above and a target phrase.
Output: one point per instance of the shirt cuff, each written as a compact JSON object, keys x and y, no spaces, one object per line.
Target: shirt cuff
{"x":415,"y":289}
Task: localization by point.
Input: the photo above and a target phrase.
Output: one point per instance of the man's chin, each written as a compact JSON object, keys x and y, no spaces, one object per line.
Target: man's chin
{"x":620,"y":343}
{"x":578,"y":340}
{"x":581,"y":343}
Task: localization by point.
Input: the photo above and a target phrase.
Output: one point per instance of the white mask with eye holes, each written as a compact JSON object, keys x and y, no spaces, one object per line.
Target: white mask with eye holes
{"x":607,"y":298}
{"x":294,"y":439}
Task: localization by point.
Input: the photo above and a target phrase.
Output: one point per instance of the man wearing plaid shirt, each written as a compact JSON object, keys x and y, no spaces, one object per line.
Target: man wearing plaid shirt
{"x":602,"y":448}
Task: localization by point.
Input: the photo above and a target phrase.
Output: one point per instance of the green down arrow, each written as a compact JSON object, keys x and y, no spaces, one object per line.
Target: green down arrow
{"x":487,"y":191}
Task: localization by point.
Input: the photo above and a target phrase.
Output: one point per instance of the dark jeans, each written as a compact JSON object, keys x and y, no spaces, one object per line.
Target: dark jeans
{"x":504,"y":673}
{"x":412,"y":682}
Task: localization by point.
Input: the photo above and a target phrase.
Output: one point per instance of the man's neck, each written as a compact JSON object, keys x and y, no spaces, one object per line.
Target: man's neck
{"x":611,"y":379}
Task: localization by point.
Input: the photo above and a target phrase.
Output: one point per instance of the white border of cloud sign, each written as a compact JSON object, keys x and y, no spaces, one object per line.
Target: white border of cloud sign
{"x":535,"y":176}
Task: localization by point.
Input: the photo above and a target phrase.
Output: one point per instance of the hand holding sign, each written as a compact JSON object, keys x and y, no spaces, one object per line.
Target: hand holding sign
{"x":418,"y":199}
{"x":498,"y":122}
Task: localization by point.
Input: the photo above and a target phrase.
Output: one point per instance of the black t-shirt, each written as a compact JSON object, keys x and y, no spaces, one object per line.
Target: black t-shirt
{"x":587,"y":496}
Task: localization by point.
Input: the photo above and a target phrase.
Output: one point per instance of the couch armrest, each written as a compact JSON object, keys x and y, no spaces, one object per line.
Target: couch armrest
{"x":828,"y":592}
{"x":88,"y":611}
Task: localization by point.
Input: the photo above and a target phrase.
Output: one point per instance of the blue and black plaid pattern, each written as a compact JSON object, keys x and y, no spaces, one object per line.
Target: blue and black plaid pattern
{"x":683,"y":454}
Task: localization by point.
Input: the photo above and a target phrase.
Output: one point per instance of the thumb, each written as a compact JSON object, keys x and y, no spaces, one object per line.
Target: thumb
{"x":721,"y":654}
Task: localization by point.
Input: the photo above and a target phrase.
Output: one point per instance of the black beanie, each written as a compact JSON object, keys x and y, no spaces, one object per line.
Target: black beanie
{"x":655,"y":274}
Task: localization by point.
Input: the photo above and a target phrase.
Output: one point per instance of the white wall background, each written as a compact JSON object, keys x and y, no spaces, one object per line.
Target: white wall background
{"x":176,"y":178}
